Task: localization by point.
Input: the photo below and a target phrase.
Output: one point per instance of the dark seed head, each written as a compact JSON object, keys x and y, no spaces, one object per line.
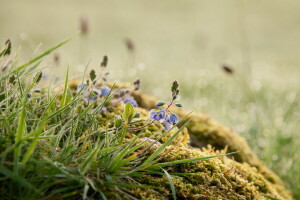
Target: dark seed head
{"x":92,"y":75}
{"x":38,"y":77}
{"x":56,"y":59}
{"x":7,"y":47}
{"x":227,"y":69}
{"x":12,"y":79}
{"x":84,"y":25}
{"x":137,"y":84}
{"x":174,"y":89}
{"x":104,"y":61}
{"x":130,"y":45}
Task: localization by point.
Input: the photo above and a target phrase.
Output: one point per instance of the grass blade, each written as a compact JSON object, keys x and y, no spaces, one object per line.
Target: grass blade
{"x":191,"y":160}
{"x":171,"y":184}
{"x":64,"y":96}
{"x":19,"y":134}
{"x":37,"y":58}
{"x":18,"y":179}
{"x":163,"y":146}
{"x":33,"y":143}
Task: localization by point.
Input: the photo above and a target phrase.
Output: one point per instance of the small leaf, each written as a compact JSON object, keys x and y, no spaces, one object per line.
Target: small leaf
{"x":160,"y":104}
{"x":37,"y":91}
{"x":128,"y":113}
{"x":178,"y":105}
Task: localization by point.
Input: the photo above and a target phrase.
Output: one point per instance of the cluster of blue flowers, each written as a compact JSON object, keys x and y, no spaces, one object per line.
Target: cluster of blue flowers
{"x":93,"y":92}
{"x":130,"y":100}
{"x":162,"y":113}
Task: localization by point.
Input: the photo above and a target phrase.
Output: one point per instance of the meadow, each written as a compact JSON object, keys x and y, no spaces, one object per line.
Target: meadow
{"x":191,"y":42}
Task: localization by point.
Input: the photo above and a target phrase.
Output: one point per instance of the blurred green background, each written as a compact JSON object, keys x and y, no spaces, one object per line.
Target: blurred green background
{"x":187,"y":40}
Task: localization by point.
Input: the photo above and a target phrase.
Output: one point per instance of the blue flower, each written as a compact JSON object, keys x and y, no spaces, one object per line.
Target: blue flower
{"x":170,"y":120}
{"x":157,"y":114}
{"x":131,"y":101}
{"x":80,"y":86}
{"x":92,"y":98}
{"x":173,"y":118}
{"x":105,"y":90}
{"x":167,"y":123}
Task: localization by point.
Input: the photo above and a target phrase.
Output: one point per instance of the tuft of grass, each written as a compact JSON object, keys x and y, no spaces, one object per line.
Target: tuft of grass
{"x":51,"y":146}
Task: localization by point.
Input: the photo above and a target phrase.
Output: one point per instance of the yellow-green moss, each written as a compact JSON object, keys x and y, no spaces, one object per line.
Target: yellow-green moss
{"x":243,"y":177}
{"x":204,"y":131}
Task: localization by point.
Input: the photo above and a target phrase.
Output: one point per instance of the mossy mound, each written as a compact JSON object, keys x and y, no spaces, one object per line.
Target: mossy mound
{"x":242,"y":176}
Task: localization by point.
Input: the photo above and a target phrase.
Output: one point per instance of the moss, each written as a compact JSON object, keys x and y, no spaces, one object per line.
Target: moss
{"x":218,"y":178}
{"x":204,"y":131}
{"x":243,"y":176}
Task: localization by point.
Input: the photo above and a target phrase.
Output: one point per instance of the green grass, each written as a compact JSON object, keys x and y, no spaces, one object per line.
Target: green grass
{"x":51,"y":146}
{"x":190,"y":42}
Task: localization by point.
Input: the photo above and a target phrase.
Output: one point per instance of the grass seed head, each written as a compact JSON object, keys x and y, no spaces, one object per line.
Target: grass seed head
{"x":227,"y":69}
{"x":104,"y":61}
{"x":129,"y":45}
{"x":84,"y":25}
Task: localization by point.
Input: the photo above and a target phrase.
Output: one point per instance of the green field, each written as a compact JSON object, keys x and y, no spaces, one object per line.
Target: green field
{"x":188,"y":41}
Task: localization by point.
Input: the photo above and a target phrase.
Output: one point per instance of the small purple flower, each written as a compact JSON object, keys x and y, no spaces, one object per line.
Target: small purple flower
{"x":105,"y":90}
{"x":173,"y":118}
{"x":170,"y":120}
{"x":131,"y":100}
{"x":80,"y":86}
{"x":104,"y":109}
{"x":167,"y":123}
{"x":92,"y":98}
{"x":157,"y":114}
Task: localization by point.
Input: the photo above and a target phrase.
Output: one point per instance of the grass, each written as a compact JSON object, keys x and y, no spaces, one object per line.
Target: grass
{"x":262,"y":106}
{"x":51,"y":146}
